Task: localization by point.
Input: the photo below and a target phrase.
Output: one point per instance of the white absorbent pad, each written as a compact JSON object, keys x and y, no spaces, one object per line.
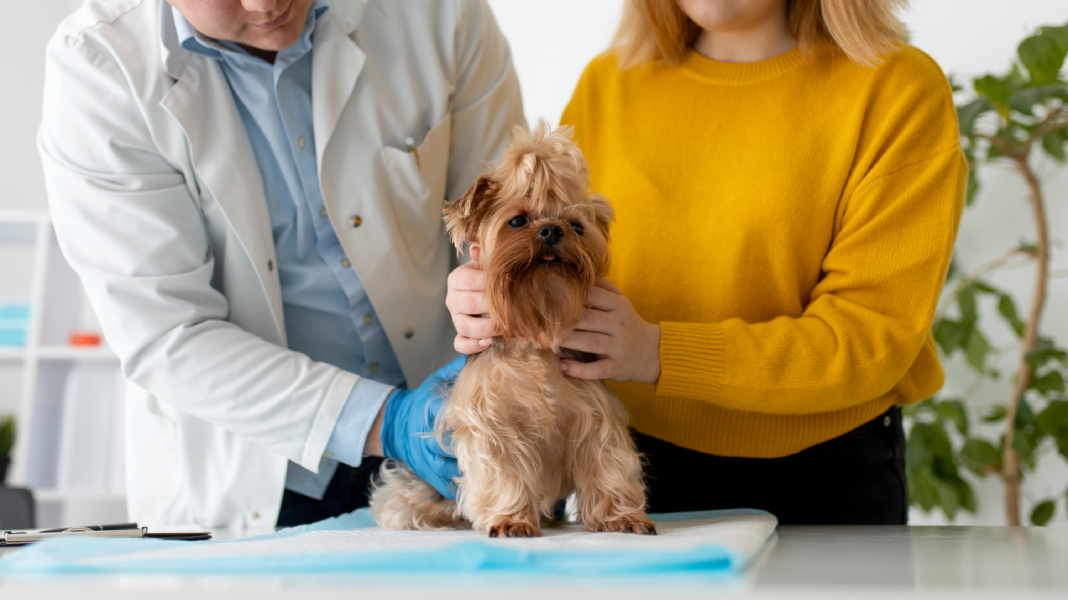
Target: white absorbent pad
{"x":708,"y":541}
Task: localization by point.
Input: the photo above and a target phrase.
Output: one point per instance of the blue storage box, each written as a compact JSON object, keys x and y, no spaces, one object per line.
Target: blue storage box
{"x":14,"y":320}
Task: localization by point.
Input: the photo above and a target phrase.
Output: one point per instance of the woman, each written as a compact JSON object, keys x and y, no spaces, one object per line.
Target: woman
{"x":788,"y":181}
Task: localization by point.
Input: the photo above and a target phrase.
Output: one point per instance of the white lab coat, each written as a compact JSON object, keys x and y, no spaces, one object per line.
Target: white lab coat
{"x":159,"y":206}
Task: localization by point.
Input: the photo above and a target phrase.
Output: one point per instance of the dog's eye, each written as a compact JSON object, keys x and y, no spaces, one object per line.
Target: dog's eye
{"x":577,"y":227}
{"x":518,"y":221}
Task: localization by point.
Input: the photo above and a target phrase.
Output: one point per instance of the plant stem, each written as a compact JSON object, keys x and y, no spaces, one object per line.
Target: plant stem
{"x":1010,"y":472}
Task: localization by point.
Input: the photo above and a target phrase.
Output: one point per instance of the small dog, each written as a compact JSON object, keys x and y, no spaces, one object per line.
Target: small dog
{"x":524,"y":435}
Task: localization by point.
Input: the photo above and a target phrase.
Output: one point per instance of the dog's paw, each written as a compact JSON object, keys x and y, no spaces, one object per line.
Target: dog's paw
{"x":629,"y":524}
{"x":514,"y":529}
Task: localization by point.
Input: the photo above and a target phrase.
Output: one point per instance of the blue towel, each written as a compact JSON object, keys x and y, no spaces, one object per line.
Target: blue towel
{"x":123,"y":555}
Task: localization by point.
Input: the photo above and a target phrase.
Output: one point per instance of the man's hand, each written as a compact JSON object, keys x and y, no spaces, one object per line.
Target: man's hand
{"x":407,"y":426}
{"x":466,"y":302}
{"x":627,"y":347}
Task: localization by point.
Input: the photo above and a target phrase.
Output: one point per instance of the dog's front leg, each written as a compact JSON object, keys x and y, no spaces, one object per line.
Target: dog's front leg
{"x":495,"y":494}
{"x":606,"y":468}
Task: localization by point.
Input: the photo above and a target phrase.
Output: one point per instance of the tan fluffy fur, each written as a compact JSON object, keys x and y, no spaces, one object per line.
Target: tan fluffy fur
{"x":524,"y":435}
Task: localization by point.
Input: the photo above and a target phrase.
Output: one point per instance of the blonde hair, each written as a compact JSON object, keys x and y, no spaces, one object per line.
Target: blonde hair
{"x":863,"y":29}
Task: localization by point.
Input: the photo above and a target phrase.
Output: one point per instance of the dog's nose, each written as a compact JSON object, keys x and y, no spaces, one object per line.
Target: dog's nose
{"x":551,"y":234}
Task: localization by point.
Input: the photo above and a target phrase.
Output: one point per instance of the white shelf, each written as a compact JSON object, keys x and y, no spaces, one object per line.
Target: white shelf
{"x":76,"y":353}
{"x":63,"y":388}
{"x":12,"y":353}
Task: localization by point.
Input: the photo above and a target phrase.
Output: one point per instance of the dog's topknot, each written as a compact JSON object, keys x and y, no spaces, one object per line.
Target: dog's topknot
{"x":545,"y":165}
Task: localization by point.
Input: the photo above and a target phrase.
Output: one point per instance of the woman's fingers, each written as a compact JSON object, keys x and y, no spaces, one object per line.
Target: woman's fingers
{"x":466,"y":345}
{"x":600,"y":369}
{"x":594,"y":320}
{"x":467,"y":278}
{"x":473,"y":327}
{"x":466,"y":303}
{"x":604,"y":299}
{"x":605,"y":284}
{"x":586,"y":341}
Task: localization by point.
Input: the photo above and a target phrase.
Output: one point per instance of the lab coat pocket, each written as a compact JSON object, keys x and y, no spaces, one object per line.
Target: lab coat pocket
{"x":417,"y":179}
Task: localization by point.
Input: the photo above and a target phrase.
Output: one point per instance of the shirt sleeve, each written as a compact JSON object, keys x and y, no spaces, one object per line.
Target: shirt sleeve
{"x":359,"y":414}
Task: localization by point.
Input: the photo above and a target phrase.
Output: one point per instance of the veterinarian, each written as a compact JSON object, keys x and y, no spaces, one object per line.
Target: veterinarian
{"x":788,"y":180}
{"x":251,"y":193}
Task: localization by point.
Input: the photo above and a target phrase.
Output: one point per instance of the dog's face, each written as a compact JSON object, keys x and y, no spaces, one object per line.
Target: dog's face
{"x":543,"y":235}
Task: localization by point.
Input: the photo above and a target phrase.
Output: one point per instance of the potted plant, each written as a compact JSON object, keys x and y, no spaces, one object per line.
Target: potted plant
{"x":7,"y":442}
{"x":1005,"y":120}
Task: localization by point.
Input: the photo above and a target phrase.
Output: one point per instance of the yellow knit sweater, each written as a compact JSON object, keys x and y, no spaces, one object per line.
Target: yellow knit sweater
{"x":789,"y":224}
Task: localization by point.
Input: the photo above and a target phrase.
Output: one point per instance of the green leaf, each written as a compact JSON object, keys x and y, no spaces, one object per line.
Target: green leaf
{"x":997,"y":413}
{"x":976,"y":348}
{"x":1007,"y":308}
{"x":997,"y":90}
{"x":968,"y":113}
{"x":966,"y":495}
{"x":1043,"y":55}
{"x":1044,"y":352}
{"x":1042,"y":513}
{"x":966,"y":301}
{"x":973,"y":186}
{"x":949,"y":335}
{"x":954,"y":411}
{"x":1051,"y":381}
{"x":922,"y":490}
{"x":980,"y":456}
{"x":1053,"y":144}
{"x":947,"y":497}
{"x":918,"y":452}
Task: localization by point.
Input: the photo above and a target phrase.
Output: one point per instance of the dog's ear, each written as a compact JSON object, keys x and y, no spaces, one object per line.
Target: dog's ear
{"x":463,"y":216}
{"x":604,"y":213}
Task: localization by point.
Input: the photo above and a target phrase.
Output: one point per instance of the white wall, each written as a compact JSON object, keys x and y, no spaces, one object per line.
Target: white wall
{"x":553,"y":39}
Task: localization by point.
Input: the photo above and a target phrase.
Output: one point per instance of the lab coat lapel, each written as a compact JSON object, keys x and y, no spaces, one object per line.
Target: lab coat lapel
{"x":336,"y":64}
{"x":222,"y":155}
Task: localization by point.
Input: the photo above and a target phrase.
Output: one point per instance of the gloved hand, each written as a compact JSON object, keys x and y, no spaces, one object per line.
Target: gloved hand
{"x":408,"y":426}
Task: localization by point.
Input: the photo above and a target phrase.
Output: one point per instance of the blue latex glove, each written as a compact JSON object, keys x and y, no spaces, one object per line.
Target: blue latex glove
{"x":408,"y":425}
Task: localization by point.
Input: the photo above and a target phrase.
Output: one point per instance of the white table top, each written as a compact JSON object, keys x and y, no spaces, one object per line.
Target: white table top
{"x":800,"y":562}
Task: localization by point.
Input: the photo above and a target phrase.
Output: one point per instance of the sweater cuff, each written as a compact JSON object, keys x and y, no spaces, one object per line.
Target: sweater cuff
{"x":691,"y":360}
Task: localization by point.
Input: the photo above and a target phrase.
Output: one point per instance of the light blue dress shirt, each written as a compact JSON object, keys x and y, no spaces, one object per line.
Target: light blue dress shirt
{"x":328,"y":315}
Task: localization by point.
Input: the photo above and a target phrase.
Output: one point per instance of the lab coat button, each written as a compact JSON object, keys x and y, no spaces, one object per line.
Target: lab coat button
{"x":270,"y":265}
{"x":886,"y":421}
{"x":356,"y":220}
{"x":346,"y":263}
{"x":322,"y":212}
{"x":301,"y":142}
{"x":255,"y":515}
{"x":373,"y":368}
{"x":367,"y":319}
{"x":408,"y":333}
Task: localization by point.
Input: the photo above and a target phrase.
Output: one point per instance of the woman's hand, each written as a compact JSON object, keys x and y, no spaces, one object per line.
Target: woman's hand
{"x":627,"y":348}
{"x":466,"y":302}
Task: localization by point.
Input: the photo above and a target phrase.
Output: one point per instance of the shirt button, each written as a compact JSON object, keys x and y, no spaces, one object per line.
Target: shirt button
{"x":322,"y":212}
{"x":346,"y":263}
{"x":408,"y":333}
{"x":270,"y":265}
{"x":301,"y":142}
{"x":356,"y":220}
{"x":367,"y":319}
{"x":373,"y":367}
{"x":255,"y":516}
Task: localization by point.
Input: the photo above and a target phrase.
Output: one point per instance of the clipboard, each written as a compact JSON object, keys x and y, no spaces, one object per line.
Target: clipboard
{"x":125,"y":530}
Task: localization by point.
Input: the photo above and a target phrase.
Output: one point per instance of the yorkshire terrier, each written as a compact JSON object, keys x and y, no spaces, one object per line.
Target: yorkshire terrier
{"x":524,"y":435}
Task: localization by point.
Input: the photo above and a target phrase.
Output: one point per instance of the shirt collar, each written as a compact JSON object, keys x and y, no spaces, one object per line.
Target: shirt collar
{"x":192,"y":40}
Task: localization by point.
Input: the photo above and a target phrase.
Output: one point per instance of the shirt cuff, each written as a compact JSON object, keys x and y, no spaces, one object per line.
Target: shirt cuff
{"x":355,"y":421}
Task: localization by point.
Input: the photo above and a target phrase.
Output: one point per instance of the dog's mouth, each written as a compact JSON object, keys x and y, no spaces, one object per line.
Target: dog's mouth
{"x":548,"y":257}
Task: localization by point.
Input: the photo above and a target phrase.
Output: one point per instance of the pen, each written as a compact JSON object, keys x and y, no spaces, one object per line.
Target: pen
{"x":112,"y":527}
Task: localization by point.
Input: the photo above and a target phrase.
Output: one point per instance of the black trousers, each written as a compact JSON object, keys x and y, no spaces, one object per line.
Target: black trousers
{"x":856,"y":478}
{"x":348,"y":490}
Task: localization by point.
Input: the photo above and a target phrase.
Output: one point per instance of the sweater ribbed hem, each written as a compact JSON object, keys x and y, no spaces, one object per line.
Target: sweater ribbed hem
{"x":710,"y":429}
{"x":691,"y":360}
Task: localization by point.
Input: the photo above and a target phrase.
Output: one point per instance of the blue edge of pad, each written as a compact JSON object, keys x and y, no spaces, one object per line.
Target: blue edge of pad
{"x":69,"y":555}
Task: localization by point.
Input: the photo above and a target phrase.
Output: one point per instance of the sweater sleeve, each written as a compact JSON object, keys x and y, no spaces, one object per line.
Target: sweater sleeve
{"x":871,"y":311}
